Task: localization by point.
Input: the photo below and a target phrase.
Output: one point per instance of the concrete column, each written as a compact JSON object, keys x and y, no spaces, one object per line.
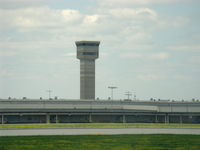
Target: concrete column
{"x":56,"y":118}
{"x":90,"y":118}
{"x":156,"y":119}
{"x":124,"y":118}
{"x":47,"y":118}
{"x":166,"y":118}
{"x":2,"y":119}
{"x":181,"y":119}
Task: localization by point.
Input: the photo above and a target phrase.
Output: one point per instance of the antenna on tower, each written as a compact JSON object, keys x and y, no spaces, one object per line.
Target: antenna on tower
{"x":128,"y":94}
{"x":49,"y":91}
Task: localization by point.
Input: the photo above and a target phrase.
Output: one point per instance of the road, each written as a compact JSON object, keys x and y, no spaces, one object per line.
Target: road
{"x":97,"y":131}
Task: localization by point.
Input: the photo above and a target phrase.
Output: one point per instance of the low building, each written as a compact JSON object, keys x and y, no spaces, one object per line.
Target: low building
{"x":101,"y":111}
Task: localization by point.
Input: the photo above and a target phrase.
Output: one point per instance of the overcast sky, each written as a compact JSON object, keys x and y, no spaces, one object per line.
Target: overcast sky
{"x":148,"y":47}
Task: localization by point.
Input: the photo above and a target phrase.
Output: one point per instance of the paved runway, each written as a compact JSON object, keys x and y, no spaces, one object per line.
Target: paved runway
{"x":97,"y":131}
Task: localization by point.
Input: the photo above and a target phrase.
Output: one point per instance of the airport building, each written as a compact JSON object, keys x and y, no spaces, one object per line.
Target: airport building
{"x":87,"y":109}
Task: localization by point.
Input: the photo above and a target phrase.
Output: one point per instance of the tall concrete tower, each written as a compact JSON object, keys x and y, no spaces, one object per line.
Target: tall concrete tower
{"x":87,"y":52}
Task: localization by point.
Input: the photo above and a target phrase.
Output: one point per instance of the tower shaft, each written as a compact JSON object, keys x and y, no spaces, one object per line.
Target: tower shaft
{"x":87,"y":79}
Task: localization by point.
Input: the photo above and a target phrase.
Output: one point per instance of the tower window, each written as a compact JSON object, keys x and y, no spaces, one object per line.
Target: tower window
{"x":89,"y":53}
{"x":87,"y":44}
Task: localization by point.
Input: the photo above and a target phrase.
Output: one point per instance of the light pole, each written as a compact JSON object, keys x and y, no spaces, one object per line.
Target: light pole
{"x":134,"y":97}
{"x":128,"y":94}
{"x":49,"y":91}
{"x":112,"y":88}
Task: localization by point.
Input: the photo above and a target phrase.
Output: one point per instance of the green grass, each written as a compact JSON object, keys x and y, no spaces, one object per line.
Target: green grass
{"x":94,"y":125}
{"x":102,"y":142}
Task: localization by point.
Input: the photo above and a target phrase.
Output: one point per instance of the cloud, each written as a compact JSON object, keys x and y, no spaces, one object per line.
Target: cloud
{"x":119,"y":28}
{"x":19,"y":75}
{"x":188,"y":48}
{"x":194,"y":60}
{"x":90,"y":19}
{"x":4,"y":73}
{"x":150,"y":77}
{"x":70,"y":15}
{"x":127,"y":13}
{"x":7,"y":53}
{"x":120,"y":3}
{"x":159,"y":76}
{"x":41,"y":60}
{"x":68,"y":24}
{"x":47,"y":42}
{"x":159,"y":56}
{"x":176,"y":21}
{"x":36,"y":17}
{"x":131,"y":55}
{"x":15,"y":4}
{"x":153,"y":56}
{"x":70,"y":54}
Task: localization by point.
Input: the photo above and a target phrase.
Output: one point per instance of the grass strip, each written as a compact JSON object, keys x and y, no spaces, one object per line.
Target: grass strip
{"x":96,"y":125}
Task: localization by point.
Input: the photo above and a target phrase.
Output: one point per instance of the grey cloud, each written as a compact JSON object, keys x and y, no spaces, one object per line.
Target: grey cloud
{"x":14,"y":4}
{"x":128,"y":3}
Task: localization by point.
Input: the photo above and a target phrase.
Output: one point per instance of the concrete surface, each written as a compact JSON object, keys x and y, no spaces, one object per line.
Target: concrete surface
{"x":97,"y":131}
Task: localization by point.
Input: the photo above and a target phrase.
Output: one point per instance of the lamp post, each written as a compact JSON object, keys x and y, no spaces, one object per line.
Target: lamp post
{"x":49,"y":91}
{"x":134,"y":97}
{"x":128,"y":94}
{"x":112,"y":88}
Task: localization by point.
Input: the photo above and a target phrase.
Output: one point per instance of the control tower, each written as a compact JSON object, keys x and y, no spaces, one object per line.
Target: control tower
{"x":87,"y":52}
